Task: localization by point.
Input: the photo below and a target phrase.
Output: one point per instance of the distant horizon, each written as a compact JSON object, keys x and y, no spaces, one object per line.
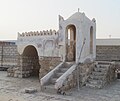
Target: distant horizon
{"x":35,"y":15}
{"x":96,"y":39}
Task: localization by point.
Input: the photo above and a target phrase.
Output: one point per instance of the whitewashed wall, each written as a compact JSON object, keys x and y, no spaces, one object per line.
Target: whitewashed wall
{"x":45,"y":42}
{"x":52,"y":43}
{"x":82,"y":24}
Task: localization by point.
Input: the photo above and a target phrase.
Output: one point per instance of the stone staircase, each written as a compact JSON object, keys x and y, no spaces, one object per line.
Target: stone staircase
{"x":98,"y":77}
{"x":50,"y":86}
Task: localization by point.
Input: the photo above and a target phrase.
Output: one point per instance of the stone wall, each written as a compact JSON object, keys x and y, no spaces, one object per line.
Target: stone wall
{"x":111,"y":74}
{"x":47,"y":64}
{"x":25,"y":67}
{"x":70,"y":82}
{"x":85,"y":71}
{"x":8,"y":54}
{"x":71,"y":51}
{"x":108,"y":53}
{"x":82,"y":72}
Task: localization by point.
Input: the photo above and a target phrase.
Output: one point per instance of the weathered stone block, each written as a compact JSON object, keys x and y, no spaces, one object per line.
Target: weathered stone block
{"x":30,"y":90}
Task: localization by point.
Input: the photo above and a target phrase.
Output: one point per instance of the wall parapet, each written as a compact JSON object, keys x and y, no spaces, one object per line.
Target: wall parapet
{"x":38,"y":33}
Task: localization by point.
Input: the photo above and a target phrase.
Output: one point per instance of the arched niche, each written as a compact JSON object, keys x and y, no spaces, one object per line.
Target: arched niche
{"x":91,"y":40}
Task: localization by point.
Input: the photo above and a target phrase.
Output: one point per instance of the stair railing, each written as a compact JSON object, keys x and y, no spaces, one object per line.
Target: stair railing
{"x":78,"y":62}
{"x":61,"y":79}
{"x":49,"y":75}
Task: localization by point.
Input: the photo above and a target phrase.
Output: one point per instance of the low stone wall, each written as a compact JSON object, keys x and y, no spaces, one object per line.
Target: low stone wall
{"x":104,"y":53}
{"x":107,"y":53}
{"x":23,"y":70}
{"x":8,"y":55}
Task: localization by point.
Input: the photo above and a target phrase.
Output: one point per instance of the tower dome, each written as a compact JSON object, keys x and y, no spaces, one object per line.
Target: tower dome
{"x":76,"y":15}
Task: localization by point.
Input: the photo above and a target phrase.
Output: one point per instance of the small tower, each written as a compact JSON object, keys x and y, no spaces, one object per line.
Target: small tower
{"x":74,"y":32}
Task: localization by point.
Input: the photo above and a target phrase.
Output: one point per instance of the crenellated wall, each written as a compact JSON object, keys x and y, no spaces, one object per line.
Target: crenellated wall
{"x":38,"y":33}
{"x":36,"y":46}
{"x":45,"y":42}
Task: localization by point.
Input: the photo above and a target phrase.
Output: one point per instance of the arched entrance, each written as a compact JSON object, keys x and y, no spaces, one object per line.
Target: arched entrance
{"x":70,"y":43}
{"x":30,"y":61}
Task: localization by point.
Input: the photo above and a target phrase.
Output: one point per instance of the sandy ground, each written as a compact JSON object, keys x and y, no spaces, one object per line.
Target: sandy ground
{"x":12,"y":89}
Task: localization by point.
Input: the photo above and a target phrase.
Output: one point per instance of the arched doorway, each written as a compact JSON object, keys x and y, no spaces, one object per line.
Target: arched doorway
{"x":30,"y":61}
{"x":91,"y":40}
{"x":70,"y":43}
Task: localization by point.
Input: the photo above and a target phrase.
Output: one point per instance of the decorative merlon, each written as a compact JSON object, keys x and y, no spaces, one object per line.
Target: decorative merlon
{"x":37,"y":33}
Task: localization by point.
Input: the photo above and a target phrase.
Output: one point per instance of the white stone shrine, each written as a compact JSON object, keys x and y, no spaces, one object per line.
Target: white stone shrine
{"x":76,"y":35}
{"x":55,"y":56}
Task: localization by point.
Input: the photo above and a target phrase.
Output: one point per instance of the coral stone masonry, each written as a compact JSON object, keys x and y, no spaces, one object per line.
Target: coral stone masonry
{"x":65,"y":58}
{"x":8,"y":54}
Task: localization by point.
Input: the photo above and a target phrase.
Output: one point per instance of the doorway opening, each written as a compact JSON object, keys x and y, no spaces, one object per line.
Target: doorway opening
{"x":70,"y":43}
{"x":30,"y":61}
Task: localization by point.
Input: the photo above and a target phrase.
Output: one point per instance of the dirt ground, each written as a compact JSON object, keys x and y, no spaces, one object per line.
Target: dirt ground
{"x":12,"y":89}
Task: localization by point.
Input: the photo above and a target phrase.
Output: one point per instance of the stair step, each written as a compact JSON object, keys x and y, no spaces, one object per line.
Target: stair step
{"x":53,"y":80}
{"x":94,"y":85}
{"x":96,"y":77}
{"x":64,"y":69}
{"x":100,"y":69}
{"x":102,"y":66}
{"x":68,"y":64}
{"x":98,"y":73}
{"x":59,"y":74}
{"x":95,"y":81}
{"x":49,"y":87}
{"x":103,"y":63}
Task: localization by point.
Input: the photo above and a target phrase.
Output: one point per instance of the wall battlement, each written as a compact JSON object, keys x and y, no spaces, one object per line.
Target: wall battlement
{"x":38,"y":33}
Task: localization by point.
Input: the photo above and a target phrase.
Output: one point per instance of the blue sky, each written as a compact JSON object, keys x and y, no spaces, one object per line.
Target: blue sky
{"x":35,"y":15}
